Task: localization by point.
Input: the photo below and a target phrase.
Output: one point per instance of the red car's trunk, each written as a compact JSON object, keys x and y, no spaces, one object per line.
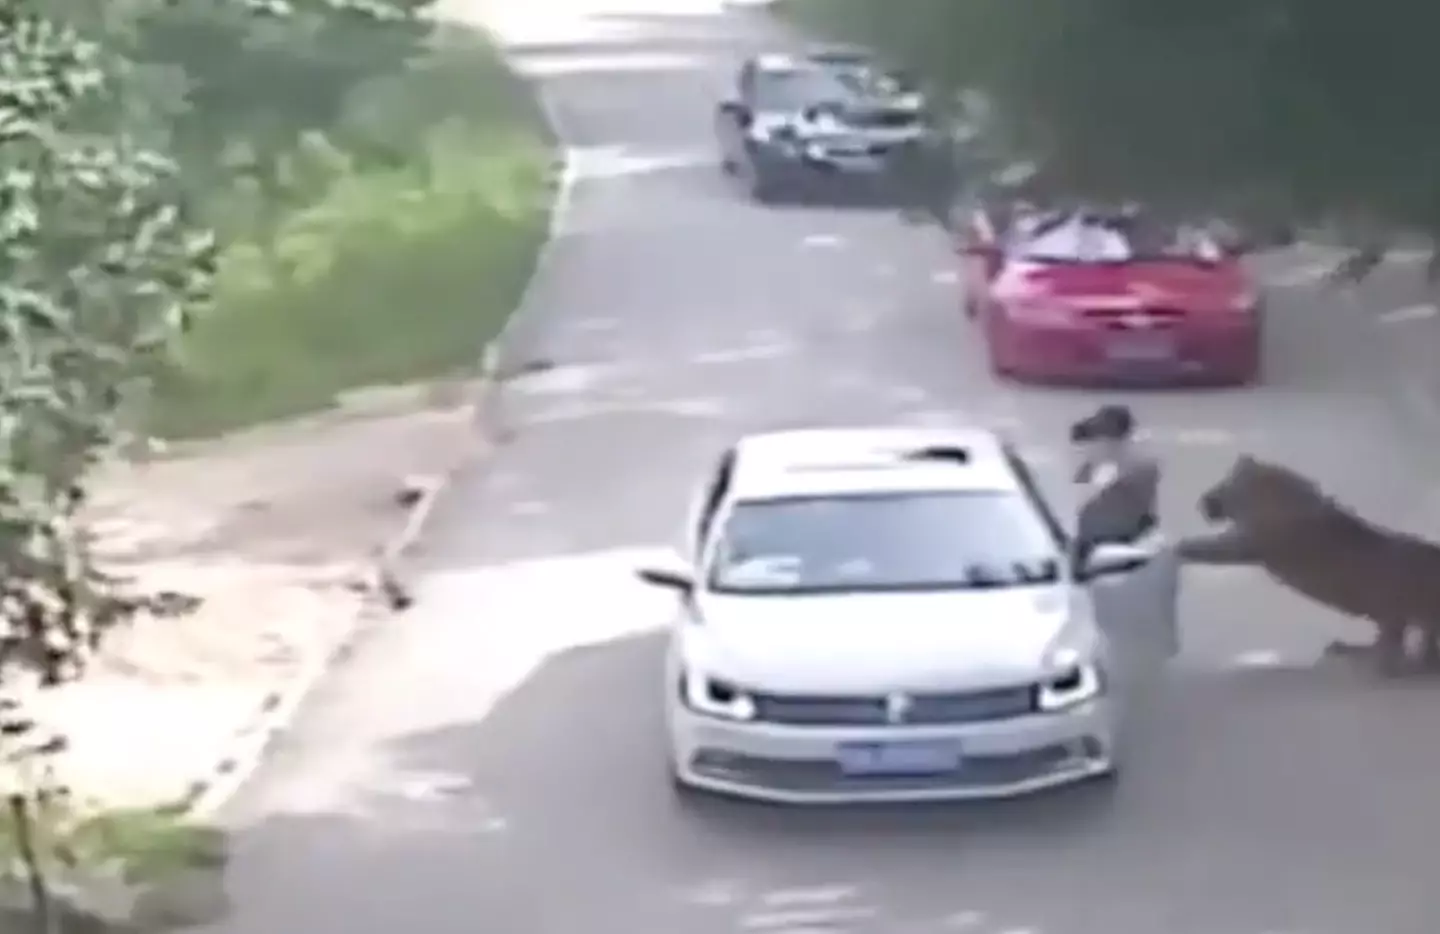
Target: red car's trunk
{"x":1160,"y":284}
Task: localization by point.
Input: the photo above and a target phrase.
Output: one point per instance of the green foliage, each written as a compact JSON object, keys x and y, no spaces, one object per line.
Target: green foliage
{"x":1306,"y":109}
{"x":102,"y":265}
{"x":402,"y":267}
{"x":118,"y":122}
{"x":146,"y":843}
{"x":142,"y":843}
{"x":129,"y":869}
{"x":104,"y":260}
{"x":394,"y":276}
{"x":259,"y":74}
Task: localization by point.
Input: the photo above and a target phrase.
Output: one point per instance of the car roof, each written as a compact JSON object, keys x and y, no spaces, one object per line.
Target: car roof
{"x":821,"y":58}
{"x":840,"y":53}
{"x":781,"y":61}
{"x":858,"y":461}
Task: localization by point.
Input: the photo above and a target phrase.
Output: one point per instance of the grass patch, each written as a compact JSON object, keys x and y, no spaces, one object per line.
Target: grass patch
{"x":398,"y":273}
{"x":142,"y":843}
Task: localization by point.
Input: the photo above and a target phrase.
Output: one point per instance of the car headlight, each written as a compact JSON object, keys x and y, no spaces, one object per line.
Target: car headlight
{"x":1071,"y":678}
{"x":715,"y":697}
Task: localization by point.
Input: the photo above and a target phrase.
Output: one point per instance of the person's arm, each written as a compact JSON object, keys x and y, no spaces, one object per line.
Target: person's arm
{"x":1231,"y":547}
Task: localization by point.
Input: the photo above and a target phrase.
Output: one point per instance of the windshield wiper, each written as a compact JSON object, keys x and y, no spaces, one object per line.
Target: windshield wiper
{"x":1021,"y":574}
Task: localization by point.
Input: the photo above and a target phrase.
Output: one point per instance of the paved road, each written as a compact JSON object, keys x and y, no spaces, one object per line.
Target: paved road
{"x":492,"y":760}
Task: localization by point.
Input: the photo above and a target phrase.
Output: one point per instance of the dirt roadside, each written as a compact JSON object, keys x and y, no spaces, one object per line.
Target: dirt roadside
{"x":277,"y":530}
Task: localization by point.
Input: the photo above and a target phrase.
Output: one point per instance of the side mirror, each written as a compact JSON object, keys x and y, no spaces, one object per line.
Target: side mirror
{"x":1110,"y":558}
{"x":672,"y":575}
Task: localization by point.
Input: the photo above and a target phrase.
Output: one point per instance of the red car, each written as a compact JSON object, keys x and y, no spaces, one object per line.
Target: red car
{"x":1080,"y":297}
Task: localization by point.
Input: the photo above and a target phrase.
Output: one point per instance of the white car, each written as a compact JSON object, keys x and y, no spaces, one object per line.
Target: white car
{"x":896,"y":615}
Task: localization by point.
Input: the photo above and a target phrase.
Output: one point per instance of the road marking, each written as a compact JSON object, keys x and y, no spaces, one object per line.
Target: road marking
{"x":803,"y":919}
{"x":963,"y":920}
{"x":716,"y":893}
{"x":596,"y":325}
{"x":813,"y":895}
{"x":1409,"y":313}
{"x":694,"y":408}
{"x":744,"y":354}
{"x":432,"y":788}
{"x":822,"y":242}
{"x":1259,"y":658}
{"x":530,"y":507}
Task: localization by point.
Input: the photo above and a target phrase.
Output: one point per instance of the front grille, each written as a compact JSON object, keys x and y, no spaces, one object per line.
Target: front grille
{"x":853,"y":149}
{"x":956,"y":707}
{"x":797,"y":775}
{"x":883,"y":119}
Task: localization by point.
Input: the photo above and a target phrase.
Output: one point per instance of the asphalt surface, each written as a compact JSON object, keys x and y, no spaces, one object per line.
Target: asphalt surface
{"x":493,"y":759}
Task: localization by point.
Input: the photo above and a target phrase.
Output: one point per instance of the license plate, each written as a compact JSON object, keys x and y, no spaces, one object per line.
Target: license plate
{"x":898,"y":758}
{"x":1142,"y":349}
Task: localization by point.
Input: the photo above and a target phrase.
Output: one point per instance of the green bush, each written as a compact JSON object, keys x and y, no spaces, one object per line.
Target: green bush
{"x":436,"y":193}
{"x":1314,"y":110}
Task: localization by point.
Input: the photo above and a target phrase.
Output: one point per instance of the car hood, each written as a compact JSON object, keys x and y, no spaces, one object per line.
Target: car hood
{"x":1179,"y":285}
{"x":878,"y":642}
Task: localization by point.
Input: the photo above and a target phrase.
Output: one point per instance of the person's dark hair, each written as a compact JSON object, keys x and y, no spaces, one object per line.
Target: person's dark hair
{"x":1107,"y":423}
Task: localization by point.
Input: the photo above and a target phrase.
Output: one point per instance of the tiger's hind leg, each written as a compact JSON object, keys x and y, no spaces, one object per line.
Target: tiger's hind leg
{"x":1390,"y":653}
{"x":1344,"y":648}
{"x":1387,"y":651}
{"x":1429,"y":646}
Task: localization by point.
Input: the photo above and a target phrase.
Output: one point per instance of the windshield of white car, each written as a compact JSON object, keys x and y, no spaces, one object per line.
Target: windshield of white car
{"x":1099,"y":239}
{"x":922,"y":541}
{"x":795,"y":89}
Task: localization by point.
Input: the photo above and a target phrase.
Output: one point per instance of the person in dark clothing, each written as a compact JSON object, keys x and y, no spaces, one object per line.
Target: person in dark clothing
{"x":1122,"y":480}
{"x":925,"y":176}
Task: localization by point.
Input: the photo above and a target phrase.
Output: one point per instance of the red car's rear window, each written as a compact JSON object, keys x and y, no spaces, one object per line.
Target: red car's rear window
{"x":1080,"y":239}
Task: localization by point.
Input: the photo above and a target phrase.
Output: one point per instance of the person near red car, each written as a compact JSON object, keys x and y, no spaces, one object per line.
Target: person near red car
{"x":1093,"y":296}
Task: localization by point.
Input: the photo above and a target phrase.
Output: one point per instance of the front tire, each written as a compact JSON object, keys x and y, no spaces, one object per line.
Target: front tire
{"x":760,"y":184}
